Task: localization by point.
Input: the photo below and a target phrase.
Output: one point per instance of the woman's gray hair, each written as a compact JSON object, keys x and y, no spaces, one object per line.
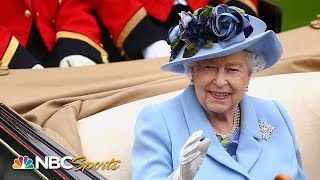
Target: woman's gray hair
{"x":256,"y":63}
{"x":188,"y":69}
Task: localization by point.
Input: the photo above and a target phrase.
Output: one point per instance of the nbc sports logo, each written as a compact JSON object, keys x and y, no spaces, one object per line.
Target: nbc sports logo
{"x":23,"y":162}
{"x":48,"y":162}
{"x":66,"y":162}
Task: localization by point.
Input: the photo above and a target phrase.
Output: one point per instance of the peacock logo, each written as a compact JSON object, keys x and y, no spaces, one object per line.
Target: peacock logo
{"x":23,"y":162}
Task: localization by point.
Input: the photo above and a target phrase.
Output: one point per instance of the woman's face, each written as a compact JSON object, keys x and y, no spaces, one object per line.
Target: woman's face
{"x":220,"y":83}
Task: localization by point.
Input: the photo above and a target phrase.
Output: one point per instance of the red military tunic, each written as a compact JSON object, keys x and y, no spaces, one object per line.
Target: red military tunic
{"x":129,"y":25}
{"x":55,"y":20}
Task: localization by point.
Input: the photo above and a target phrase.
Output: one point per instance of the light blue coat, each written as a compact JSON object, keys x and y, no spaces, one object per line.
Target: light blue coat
{"x":161,"y":130}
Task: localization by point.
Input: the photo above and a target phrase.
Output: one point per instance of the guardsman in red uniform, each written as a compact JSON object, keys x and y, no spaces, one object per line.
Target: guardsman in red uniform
{"x":49,"y":33}
{"x":132,"y":31}
{"x":166,"y":11}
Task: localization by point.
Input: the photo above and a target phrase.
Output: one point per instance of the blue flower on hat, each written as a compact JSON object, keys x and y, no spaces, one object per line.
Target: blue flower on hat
{"x":222,"y":24}
{"x":230,"y":24}
{"x":173,"y":34}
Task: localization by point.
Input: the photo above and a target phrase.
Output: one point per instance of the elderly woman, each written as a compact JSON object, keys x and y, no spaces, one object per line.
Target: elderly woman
{"x":213,"y":130}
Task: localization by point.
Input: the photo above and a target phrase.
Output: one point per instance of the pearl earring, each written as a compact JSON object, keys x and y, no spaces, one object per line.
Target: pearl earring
{"x":191,"y":82}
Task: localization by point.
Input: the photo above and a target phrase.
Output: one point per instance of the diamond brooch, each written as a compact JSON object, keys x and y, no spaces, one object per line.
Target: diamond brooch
{"x":266,"y":130}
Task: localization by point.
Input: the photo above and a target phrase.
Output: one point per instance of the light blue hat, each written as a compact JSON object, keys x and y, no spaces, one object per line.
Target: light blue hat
{"x":213,"y":32}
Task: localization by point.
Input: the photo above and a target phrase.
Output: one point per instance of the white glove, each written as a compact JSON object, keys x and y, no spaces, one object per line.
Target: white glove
{"x":37,"y":66}
{"x":75,"y":61}
{"x":157,"y":49}
{"x":192,"y":155}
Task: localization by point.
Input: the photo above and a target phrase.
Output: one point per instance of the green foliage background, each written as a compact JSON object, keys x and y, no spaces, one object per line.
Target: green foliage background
{"x":297,"y":13}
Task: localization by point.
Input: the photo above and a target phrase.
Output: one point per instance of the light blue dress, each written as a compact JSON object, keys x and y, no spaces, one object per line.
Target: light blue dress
{"x":161,"y":130}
